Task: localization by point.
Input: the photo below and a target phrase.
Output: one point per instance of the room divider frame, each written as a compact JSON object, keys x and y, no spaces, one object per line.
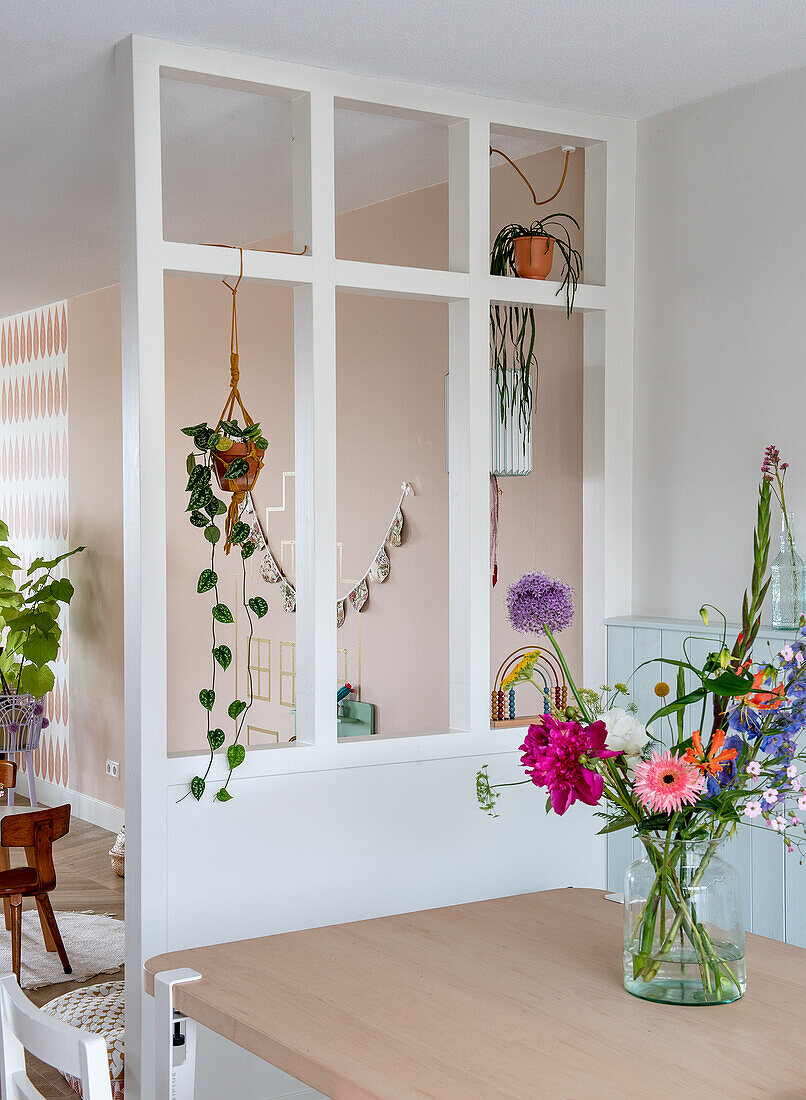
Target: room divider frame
{"x":605,"y":300}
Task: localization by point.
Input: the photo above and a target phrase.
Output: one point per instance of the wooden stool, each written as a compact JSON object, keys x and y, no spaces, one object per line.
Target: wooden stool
{"x":35,"y":832}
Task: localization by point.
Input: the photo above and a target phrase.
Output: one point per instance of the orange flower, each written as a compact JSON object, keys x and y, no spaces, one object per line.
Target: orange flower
{"x":763,"y":698}
{"x":715,"y":759}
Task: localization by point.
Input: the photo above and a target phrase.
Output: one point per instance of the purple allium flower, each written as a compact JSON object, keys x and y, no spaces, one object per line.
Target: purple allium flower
{"x":537,"y":601}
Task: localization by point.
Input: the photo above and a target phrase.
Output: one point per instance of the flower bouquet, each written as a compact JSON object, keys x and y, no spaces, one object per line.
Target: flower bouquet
{"x":682,"y":785}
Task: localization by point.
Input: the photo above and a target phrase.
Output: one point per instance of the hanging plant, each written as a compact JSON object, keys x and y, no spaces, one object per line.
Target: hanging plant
{"x":235,"y":453}
{"x":527,"y":252}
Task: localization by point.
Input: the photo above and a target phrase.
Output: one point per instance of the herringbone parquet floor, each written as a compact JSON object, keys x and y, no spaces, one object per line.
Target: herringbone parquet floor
{"x":85,"y":882}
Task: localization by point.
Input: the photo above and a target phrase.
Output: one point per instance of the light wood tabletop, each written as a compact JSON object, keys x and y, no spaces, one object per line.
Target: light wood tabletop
{"x":517,"y":997}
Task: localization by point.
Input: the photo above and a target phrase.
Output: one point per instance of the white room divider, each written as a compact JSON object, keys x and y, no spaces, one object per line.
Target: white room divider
{"x":370,"y":827}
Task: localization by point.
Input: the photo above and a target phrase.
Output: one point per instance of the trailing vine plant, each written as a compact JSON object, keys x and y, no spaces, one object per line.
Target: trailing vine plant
{"x":512,"y":327}
{"x":204,"y":508}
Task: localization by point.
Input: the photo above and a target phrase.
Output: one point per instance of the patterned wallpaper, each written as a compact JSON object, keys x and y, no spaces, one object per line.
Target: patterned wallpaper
{"x":34,"y":479}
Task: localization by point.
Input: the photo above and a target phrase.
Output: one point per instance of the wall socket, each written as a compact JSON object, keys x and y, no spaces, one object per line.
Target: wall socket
{"x":113,"y":769}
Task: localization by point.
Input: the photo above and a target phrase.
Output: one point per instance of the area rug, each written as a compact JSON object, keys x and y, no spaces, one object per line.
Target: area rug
{"x":94,"y":944}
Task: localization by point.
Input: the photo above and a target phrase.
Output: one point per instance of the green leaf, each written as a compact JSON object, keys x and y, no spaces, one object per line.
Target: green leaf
{"x":212,"y":533}
{"x":237,"y":468}
{"x":36,"y":681}
{"x":51,"y":563}
{"x":198,"y":519}
{"x":197,"y":787}
{"x":222,"y":614}
{"x":4,"y":531}
{"x":236,"y":707}
{"x":190,"y":463}
{"x":239,"y":531}
{"x":259,"y":606}
{"x":623,"y":821}
{"x":262,"y":443}
{"x":214,"y":507}
{"x":199,"y":497}
{"x":40,"y":649}
{"x":223,"y":654}
{"x":202,"y":438}
{"x":679,"y":704}
{"x":62,"y":590}
{"x":236,"y":754}
{"x":248,"y":549}
{"x":216,"y":739}
{"x":207,"y":580}
{"x":223,"y":795}
{"x":207,"y":698}
{"x":728,"y":683}
{"x":231,"y":427}
{"x":220,"y":506}
{"x":223,"y":444}
{"x":199,"y":475}
{"x":194,"y":430}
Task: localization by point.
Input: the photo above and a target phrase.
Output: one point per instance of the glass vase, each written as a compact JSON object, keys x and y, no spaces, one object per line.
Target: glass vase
{"x":683,"y":930}
{"x":787,"y":580}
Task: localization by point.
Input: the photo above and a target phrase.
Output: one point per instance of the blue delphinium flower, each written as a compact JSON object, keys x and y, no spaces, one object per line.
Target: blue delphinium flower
{"x":726,"y":777}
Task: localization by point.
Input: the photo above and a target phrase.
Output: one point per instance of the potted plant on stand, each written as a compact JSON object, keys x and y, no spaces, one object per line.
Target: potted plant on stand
{"x":30,"y":637}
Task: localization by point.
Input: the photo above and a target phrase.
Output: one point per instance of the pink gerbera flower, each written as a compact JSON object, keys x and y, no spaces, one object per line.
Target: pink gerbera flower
{"x":665,"y":783}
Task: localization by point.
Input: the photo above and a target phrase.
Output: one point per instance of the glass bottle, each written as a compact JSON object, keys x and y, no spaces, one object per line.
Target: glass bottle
{"x":788,"y":580}
{"x":683,"y":929}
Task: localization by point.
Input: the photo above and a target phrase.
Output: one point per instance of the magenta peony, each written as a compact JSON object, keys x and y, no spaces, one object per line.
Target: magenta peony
{"x":558,"y":755}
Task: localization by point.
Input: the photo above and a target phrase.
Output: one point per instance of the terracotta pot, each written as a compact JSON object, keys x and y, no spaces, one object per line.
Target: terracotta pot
{"x":222,"y":459}
{"x":533,"y":256}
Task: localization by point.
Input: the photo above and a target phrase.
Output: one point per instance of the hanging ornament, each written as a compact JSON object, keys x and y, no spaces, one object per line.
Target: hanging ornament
{"x":379,"y":570}
{"x":289,"y":597}
{"x":359,"y":595}
{"x":341,"y":610}
{"x":394,"y":535}
{"x":269,"y":570}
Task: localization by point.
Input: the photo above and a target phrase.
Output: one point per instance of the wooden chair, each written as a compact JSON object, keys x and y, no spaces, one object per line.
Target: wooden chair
{"x":69,"y":1050}
{"x":35,"y":832}
{"x":8,"y":779}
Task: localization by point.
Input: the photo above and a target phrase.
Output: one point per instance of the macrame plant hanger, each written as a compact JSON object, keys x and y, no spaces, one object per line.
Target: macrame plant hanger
{"x":239,"y":487}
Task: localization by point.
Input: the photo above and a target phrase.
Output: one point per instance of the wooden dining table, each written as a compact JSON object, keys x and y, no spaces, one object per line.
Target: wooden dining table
{"x":517,"y":997}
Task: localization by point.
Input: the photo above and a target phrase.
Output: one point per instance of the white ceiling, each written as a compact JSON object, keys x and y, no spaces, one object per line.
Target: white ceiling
{"x":58,"y":187}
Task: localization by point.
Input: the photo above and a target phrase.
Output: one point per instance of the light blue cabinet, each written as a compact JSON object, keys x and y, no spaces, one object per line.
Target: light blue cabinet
{"x":774,"y":882}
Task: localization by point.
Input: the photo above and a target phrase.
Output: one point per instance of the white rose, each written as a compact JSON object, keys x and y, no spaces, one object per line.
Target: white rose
{"x":624,"y":732}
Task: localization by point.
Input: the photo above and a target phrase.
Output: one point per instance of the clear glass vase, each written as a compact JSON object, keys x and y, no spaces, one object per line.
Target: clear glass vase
{"x":683,"y":929}
{"x":787,"y":580}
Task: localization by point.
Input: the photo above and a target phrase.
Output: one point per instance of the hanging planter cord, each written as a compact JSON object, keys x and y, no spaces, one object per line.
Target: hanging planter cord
{"x":535,"y":199}
{"x":238,"y":495}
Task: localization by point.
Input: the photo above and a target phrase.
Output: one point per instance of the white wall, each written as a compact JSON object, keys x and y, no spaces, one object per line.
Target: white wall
{"x":720,"y":352}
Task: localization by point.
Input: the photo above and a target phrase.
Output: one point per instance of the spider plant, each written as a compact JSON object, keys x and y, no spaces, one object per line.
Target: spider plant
{"x":513,"y":327}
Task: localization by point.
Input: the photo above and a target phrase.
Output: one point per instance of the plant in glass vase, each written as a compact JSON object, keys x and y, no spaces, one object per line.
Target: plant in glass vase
{"x":682,"y":794}
{"x":787,"y":572}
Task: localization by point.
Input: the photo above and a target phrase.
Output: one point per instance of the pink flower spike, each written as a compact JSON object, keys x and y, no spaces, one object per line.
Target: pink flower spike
{"x":665,"y":783}
{"x":753,"y":768}
{"x":752,"y":809}
{"x":787,"y":653}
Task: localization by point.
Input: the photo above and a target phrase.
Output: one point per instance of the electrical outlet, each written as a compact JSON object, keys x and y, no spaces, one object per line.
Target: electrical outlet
{"x":113,"y":769}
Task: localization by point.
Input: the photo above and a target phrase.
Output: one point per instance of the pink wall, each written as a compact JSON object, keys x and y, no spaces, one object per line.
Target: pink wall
{"x":392,"y":357}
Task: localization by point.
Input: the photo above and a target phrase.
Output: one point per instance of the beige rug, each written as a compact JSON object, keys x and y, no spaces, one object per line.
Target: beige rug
{"x":94,"y":943}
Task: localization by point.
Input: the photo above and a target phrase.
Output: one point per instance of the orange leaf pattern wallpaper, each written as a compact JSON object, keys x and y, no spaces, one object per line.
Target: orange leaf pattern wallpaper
{"x":34,"y":480}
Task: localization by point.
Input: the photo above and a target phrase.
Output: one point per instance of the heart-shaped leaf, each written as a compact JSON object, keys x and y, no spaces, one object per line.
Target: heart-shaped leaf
{"x":202,"y":438}
{"x":223,"y":444}
{"x":207,"y":698}
{"x":248,"y":549}
{"x":223,"y":654}
{"x":216,"y":739}
{"x":207,"y":580}
{"x":199,"y":497}
{"x":190,"y":464}
{"x":198,"y":519}
{"x":236,"y":754}
{"x":193,"y":429}
{"x":223,"y":795}
{"x":239,"y":531}
{"x":236,"y":707}
{"x":199,"y":475}
{"x":237,"y":468}
{"x":259,"y":606}
{"x":212,"y":533}
{"x":214,"y":507}
{"x":197,"y":787}
{"x":222,"y":614}
{"x":262,"y":443}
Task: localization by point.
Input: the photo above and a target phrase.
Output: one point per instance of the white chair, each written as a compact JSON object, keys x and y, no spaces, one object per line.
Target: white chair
{"x":25,"y":1027}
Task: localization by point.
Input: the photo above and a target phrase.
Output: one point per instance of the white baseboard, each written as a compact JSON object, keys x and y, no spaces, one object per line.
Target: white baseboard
{"x":84,"y":806}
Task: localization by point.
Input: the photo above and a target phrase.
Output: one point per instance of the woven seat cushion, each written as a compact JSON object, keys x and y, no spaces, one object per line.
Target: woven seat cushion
{"x":99,"y":1009}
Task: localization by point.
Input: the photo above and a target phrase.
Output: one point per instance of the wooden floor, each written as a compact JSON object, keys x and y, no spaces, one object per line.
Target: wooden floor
{"x":85,"y":882}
